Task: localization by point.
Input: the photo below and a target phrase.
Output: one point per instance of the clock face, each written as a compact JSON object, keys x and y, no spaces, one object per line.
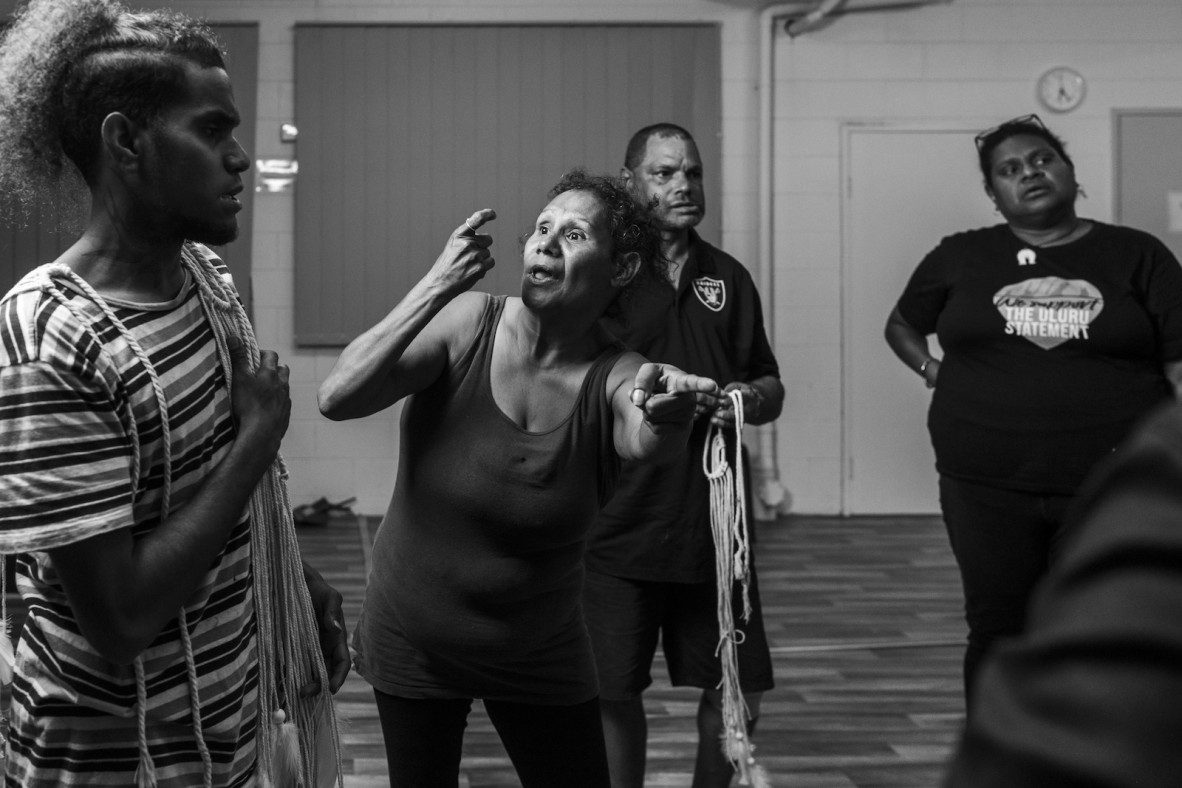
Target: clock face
{"x":1061,"y":89}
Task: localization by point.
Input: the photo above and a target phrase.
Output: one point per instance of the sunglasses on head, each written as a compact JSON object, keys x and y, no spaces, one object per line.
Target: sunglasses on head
{"x":1021,"y":120}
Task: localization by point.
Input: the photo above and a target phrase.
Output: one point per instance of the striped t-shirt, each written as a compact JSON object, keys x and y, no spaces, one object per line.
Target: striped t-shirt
{"x":67,"y":452}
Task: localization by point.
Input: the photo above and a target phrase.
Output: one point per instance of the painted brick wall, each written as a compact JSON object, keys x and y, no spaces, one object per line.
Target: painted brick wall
{"x":967,"y":60}
{"x":359,"y":458}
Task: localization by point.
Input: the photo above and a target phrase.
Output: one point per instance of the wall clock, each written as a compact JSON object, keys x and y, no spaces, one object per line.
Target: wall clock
{"x":1061,"y":89}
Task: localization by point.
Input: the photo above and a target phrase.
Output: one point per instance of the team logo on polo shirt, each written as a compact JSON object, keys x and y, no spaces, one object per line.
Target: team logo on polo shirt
{"x":711,"y":292}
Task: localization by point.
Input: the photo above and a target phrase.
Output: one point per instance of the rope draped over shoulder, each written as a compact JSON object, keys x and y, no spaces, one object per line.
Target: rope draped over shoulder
{"x":289,"y":646}
{"x":297,"y":738}
{"x":732,"y":563}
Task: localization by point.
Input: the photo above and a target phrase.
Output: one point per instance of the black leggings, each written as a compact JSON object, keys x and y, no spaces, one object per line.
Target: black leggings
{"x":1003,"y":541}
{"x":549,"y":745}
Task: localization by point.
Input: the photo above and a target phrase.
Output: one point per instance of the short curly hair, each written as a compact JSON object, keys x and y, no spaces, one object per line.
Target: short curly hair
{"x":638,"y":144}
{"x":65,"y":65}
{"x":630,"y":225}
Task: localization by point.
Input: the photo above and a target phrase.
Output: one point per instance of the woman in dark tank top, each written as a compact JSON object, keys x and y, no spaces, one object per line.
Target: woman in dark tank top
{"x":518,"y":412}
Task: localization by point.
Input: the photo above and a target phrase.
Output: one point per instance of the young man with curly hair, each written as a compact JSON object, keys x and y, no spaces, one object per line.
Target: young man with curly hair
{"x":135,"y":426}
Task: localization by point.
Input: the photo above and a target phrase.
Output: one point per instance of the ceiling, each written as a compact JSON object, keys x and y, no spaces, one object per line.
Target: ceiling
{"x":806,"y":6}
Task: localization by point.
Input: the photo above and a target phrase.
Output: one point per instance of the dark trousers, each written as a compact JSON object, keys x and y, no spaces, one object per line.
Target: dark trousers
{"x":1003,"y":541}
{"x":548,"y":745}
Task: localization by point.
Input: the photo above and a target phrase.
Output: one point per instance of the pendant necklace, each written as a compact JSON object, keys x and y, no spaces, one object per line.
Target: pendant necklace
{"x":1027,"y":254}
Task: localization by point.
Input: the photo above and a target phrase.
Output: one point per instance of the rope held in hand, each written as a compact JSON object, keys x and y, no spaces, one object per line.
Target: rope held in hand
{"x":732,"y":561}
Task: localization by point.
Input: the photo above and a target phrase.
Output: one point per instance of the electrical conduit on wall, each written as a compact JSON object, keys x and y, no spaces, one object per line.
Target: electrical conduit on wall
{"x":768,"y":488}
{"x":802,"y":16}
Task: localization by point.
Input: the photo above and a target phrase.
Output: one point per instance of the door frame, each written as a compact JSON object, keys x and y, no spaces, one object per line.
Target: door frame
{"x":1119,"y":114}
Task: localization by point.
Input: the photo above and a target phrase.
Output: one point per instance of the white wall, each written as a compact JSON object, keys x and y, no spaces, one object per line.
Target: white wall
{"x":968,"y":60}
{"x":972,"y":61}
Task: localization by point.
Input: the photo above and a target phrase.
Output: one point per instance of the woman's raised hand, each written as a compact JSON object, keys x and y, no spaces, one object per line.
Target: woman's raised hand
{"x":466,"y":257}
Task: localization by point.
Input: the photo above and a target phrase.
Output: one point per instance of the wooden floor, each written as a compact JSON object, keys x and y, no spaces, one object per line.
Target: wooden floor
{"x":864,"y":616}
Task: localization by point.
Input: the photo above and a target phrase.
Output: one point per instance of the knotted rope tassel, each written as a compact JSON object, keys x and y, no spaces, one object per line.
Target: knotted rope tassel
{"x":732,"y":561}
{"x":298,"y":737}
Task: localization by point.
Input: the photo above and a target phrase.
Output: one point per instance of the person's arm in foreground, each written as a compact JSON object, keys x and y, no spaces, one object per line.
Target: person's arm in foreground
{"x":911,"y":347}
{"x":123,"y":591}
{"x":407,"y":349}
{"x":1089,"y":695}
{"x":654,"y":406}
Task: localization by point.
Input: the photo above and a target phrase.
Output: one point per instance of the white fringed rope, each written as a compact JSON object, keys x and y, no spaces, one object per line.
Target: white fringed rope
{"x":289,"y":646}
{"x":288,"y":640}
{"x":732,"y":560}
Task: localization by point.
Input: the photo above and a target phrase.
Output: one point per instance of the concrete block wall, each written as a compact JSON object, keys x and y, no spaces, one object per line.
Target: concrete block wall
{"x":973,"y":62}
{"x":359,"y":459}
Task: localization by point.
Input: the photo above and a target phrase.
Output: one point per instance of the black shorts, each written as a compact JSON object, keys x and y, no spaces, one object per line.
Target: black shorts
{"x":626,"y":616}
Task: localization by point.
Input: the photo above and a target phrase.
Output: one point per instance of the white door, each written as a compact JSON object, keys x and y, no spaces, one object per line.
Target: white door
{"x":905,"y":188}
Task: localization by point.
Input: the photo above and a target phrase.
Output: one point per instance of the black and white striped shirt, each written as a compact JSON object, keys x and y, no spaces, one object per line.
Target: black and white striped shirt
{"x":76,"y":405}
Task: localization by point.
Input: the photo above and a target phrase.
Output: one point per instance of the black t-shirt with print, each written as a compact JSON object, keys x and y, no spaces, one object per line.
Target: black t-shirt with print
{"x":1050,"y":353}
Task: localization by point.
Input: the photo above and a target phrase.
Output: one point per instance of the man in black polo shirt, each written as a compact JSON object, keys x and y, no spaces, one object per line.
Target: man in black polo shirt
{"x":651,"y":559}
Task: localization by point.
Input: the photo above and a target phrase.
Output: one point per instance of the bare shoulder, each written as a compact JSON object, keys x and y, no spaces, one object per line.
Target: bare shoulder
{"x":460,"y":317}
{"x":623,"y":374}
{"x":468,"y":305}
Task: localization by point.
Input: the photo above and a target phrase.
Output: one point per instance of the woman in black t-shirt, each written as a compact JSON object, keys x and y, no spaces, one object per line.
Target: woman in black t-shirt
{"x":1058,"y":332}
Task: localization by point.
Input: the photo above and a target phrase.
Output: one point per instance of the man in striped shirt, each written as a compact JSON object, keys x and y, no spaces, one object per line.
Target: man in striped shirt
{"x":127,"y":458}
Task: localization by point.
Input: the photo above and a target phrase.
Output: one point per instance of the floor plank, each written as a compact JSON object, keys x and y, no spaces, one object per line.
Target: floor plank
{"x":864,"y":617}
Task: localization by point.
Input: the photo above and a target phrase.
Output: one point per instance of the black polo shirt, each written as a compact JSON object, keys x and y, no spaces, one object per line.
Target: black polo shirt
{"x":657,"y":525}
